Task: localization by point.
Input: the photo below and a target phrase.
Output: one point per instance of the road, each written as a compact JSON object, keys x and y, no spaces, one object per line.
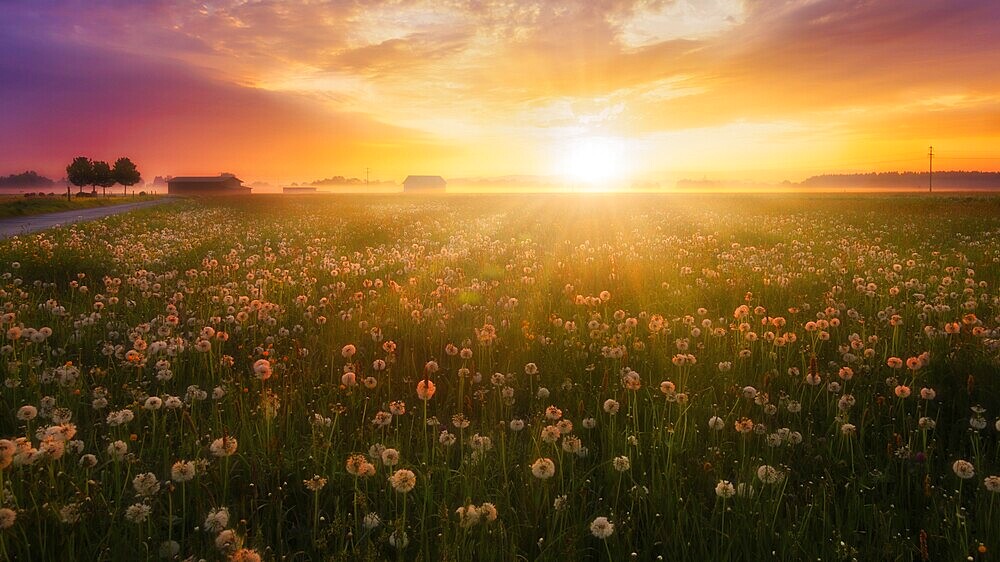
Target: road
{"x":14,"y":226}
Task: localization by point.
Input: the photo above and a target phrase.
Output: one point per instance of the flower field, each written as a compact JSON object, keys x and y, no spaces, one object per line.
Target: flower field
{"x":500,"y":378}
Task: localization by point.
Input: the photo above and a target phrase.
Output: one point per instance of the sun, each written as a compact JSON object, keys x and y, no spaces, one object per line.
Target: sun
{"x":595,"y":161}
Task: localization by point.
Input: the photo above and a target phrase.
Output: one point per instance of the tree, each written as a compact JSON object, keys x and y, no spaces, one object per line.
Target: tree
{"x":102,"y":176}
{"x":126,"y":173}
{"x":80,"y":172}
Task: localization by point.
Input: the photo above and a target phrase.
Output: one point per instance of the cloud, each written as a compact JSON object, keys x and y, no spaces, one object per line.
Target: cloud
{"x":61,"y":100}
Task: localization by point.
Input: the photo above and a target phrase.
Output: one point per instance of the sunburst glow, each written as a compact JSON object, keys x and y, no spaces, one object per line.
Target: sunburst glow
{"x":593,"y":160}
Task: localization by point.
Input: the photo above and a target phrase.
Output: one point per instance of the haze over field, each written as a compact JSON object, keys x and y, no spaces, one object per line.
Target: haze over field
{"x":607,"y":92}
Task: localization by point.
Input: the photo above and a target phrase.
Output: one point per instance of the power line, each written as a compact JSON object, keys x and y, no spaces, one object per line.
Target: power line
{"x":930,"y":170}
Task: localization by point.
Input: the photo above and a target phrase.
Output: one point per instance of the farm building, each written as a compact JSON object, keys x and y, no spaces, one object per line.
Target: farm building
{"x":424,"y":184}
{"x":223,"y":184}
{"x":298,"y":190}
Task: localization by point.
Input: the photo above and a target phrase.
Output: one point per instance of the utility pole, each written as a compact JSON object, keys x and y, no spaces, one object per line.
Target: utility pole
{"x":930,"y":170}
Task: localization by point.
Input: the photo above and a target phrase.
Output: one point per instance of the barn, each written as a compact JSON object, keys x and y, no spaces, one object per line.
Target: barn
{"x":223,"y":184}
{"x":424,"y":184}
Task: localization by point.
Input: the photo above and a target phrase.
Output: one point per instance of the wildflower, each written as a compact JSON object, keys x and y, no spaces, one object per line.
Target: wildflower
{"x":217,"y":520}
{"x":591,"y":423}
{"x":481,"y":443}
{"x":769,"y":475}
{"x":371,"y":520}
{"x":611,"y":406}
{"x":744,"y":425}
{"x":621,"y":463}
{"x":146,"y":484}
{"x":927,"y":393}
{"x":27,"y":413}
{"x":117,"y":449}
{"x":425,"y":390}
{"x":467,"y":516}
{"x":460,"y":421}
{"x":223,"y":446}
{"x":725,"y":489}
{"x":382,"y":419}
{"x":446,"y":438}
{"x":550,"y":434}
{"x":602,"y":528}
{"x":963,"y":469}
{"x":262,"y":369}
{"x":543,"y":468}
{"x":561,"y":502}
{"x":358,"y":465}
{"x":397,"y":407}
{"x":992,"y":483}
{"x":138,"y":512}
{"x":632,"y":381}
{"x":848,"y":429}
{"x":565,"y":426}
{"x":183,"y":471}
{"x":516,"y":425}
{"x":398,"y":539}
{"x":390,"y":457}
{"x":488,"y":512}
{"x":245,"y":555}
{"x":403,"y":480}
{"x":668,"y":388}
{"x":225,"y":539}
{"x":715,"y":423}
{"x":120,"y":417}
{"x":7,"y":517}
{"x":902,"y":391}
{"x":315,"y":483}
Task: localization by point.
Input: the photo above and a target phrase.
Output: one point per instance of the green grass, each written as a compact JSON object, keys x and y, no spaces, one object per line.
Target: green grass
{"x":586,"y":289}
{"x":19,"y":206}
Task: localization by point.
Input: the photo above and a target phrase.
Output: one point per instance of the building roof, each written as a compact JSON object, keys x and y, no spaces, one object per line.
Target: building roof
{"x":205,"y":179}
{"x":424,"y":180}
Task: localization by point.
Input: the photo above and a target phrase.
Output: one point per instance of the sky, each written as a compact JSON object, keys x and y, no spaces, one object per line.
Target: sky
{"x":633,"y":92}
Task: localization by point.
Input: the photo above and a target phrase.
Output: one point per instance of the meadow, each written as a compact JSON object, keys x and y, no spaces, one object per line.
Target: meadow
{"x":561,"y":377}
{"x":17,"y":205}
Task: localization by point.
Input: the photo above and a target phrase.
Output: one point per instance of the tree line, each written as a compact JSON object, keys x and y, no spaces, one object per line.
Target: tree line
{"x":949,"y":179}
{"x":83,"y":171}
{"x":27,"y":179}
